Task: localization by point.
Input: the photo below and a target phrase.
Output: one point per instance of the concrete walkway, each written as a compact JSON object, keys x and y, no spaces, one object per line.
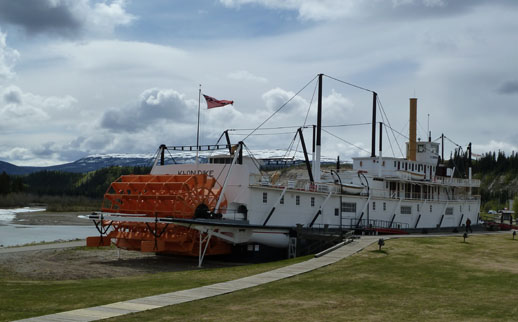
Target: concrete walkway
{"x":157,"y":301}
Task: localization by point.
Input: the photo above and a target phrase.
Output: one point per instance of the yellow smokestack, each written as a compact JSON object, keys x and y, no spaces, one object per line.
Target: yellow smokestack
{"x":412,"y":145}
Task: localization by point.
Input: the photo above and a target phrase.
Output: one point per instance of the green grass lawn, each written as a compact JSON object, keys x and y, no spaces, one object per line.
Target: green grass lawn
{"x":22,"y":298}
{"x":428,"y":279}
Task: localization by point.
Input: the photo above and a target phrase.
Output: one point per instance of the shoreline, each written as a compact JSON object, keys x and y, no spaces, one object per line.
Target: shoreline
{"x":51,"y":218}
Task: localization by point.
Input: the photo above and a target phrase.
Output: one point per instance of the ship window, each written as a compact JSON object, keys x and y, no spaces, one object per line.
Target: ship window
{"x":384,"y":206}
{"x":449,"y":211}
{"x":417,"y":208}
{"x":348,"y":206}
{"x":406,"y":210}
{"x":265,"y":197}
{"x":398,"y":165}
{"x":383,"y":163}
{"x":312,"y":201}
{"x":430,"y":208}
{"x":406,"y":166}
{"x":412,"y":167}
{"x":297,"y":200}
{"x":374,"y":205}
{"x":282,"y":200}
{"x":336,"y":211}
{"x":361,"y":163}
{"x":395,"y":164}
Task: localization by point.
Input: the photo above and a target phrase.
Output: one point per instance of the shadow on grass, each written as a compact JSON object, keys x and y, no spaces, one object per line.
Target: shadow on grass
{"x":380,"y":251}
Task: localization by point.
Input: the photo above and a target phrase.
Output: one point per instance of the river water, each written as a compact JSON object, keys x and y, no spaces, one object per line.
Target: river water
{"x":18,"y":234}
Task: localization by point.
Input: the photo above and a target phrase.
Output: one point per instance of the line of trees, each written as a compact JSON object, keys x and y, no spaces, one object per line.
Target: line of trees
{"x":57,"y":183}
{"x":8,"y":184}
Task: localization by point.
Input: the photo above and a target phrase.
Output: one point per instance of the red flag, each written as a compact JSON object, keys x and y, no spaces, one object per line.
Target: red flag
{"x":212,"y":102}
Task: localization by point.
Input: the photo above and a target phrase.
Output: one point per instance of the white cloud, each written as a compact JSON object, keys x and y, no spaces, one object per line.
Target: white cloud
{"x":307,"y":9}
{"x":494,"y":145}
{"x":246,"y":76}
{"x":8,"y":58}
{"x":20,"y":109}
{"x":155,"y":106}
{"x":105,"y":16}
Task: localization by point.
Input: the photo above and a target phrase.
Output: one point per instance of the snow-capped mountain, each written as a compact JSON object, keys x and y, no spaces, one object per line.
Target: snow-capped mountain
{"x":98,"y":161}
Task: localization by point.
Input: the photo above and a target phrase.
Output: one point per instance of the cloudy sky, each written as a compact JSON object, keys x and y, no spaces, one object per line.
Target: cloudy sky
{"x":81,"y":77}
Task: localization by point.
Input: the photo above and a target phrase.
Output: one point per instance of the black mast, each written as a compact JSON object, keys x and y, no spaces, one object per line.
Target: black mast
{"x":373,"y":145}
{"x":316,"y":173}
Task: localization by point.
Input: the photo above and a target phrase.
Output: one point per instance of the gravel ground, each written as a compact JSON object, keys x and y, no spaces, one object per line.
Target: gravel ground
{"x":81,"y":263}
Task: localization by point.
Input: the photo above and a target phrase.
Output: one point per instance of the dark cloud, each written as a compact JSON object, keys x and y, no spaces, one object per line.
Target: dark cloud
{"x":509,"y":87}
{"x":12,"y":95}
{"x":155,"y":105}
{"x":41,"y":16}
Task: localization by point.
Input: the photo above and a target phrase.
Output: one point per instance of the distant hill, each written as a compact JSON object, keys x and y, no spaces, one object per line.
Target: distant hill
{"x":86,"y":164}
{"x":99,"y":161}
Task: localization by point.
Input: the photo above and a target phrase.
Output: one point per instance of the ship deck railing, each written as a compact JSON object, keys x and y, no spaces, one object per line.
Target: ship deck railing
{"x":307,"y":186}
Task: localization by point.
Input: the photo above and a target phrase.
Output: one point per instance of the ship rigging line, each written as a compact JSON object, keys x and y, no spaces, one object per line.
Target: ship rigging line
{"x":344,"y":82}
{"x":389,"y":141}
{"x":305,"y":120}
{"x":254,"y":159}
{"x":339,"y":138}
{"x":382,"y":109}
{"x":296,"y":127}
{"x":281,"y":107}
{"x":278,"y":133}
{"x":268,"y":128}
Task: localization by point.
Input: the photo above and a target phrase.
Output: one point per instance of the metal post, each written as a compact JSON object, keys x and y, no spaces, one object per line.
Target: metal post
{"x":306,"y":159}
{"x":442,"y":147}
{"x":162,"y":154}
{"x":316,"y":169}
{"x":198,"y":129}
{"x":373,"y":146}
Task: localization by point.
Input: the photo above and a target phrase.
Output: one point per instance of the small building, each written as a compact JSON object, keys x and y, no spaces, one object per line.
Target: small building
{"x":506,"y":215}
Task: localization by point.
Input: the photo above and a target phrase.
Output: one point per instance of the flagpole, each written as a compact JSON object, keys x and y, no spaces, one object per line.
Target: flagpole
{"x":198,"y":130}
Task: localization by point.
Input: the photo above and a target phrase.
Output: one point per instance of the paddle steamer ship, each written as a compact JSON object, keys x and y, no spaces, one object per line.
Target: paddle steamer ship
{"x":206,"y":208}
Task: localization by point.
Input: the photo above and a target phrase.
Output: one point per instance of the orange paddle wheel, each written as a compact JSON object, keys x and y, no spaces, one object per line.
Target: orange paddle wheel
{"x":134,"y":197}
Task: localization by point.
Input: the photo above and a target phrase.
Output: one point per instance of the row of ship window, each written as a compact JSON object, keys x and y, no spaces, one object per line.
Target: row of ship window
{"x":408,"y":166}
{"x":351,"y":206}
{"x":412,"y":166}
{"x":297,"y":200}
